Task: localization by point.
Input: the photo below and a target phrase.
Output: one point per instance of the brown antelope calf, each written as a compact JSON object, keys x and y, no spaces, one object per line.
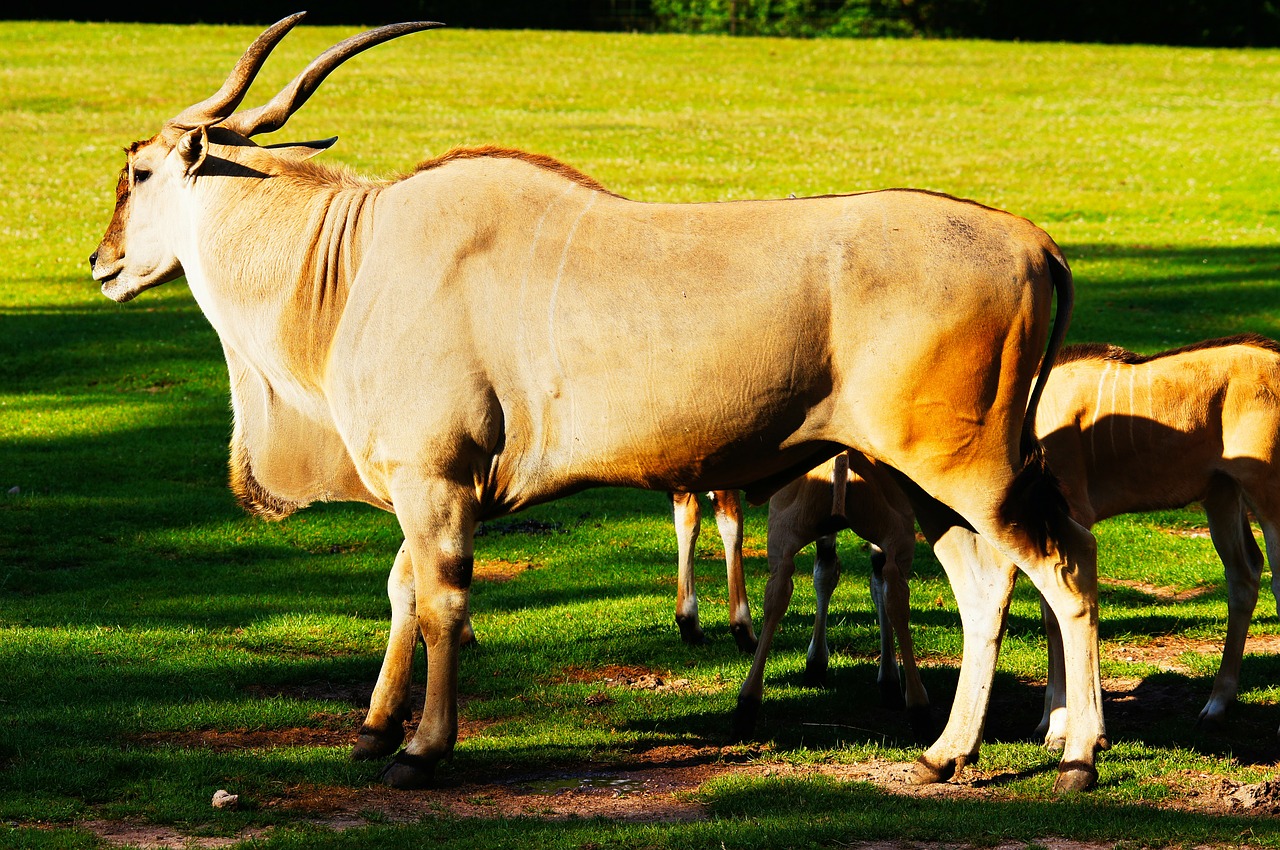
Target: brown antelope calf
{"x":1126,"y":433}
{"x":447,"y":346}
{"x":855,"y":492}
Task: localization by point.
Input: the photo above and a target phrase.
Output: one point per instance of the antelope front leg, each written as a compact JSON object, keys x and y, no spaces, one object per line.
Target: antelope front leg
{"x":982,"y":582}
{"x":439,"y":524}
{"x":383,"y":728}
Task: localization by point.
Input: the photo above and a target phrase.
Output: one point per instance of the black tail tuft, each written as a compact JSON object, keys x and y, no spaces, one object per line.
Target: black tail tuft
{"x":1035,"y":502}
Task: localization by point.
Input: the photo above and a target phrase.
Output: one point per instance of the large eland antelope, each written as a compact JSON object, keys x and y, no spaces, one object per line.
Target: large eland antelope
{"x":497,"y":330}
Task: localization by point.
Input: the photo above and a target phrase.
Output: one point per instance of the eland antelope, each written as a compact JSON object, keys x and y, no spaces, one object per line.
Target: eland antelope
{"x":1126,"y":432}
{"x":497,"y":329}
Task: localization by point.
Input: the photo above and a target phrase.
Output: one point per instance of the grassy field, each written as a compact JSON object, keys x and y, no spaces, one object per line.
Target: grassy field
{"x":157,"y":645}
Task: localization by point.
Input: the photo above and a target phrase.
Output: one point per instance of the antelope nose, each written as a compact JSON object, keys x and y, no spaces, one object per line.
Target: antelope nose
{"x":93,"y":259}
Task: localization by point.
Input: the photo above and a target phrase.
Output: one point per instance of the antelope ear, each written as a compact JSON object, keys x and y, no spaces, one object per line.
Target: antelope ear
{"x":193,"y":147}
{"x":302,"y":150}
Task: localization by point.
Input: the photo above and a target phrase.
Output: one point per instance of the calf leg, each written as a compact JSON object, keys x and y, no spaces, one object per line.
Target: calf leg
{"x":826,"y":576}
{"x":1053,"y":723}
{"x":893,"y":575}
{"x":383,"y":728}
{"x":887,"y":676}
{"x":729,"y":520}
{"x":777,"y":596}
{"x":1242,"y":565}
{"x":688,"y":519}
{"x":439,"y":519}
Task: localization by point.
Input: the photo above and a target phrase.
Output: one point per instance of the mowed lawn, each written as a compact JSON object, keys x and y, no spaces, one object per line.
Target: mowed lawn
{"x":157,"y":645}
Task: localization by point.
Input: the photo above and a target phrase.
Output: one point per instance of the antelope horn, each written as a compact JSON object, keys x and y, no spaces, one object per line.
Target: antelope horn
{"x":271,"y":116}
{"x":227,"y":98}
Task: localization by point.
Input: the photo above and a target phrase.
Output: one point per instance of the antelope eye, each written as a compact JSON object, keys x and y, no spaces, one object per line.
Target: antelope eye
{"x":140,"y":175}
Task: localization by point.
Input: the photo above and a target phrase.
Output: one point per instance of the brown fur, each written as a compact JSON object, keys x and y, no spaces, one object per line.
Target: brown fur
{"x":1114,"y":353}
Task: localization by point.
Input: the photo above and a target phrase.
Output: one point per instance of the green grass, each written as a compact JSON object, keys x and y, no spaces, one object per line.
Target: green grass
{"x":137,"y":603}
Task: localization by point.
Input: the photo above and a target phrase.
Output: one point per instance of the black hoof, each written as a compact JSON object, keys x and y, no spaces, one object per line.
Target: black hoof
{"x":924,"y":773}
{"x":815,"y":674}
{"x":1075,"y":776}
{"x":408,"y":772}
{"x":376,"y":744}
{"x":921,"y":719}
{"x":745,"y":717}
{"x":891,"y":695}
{"x":691,"y":632}
{"x":745,"y":640}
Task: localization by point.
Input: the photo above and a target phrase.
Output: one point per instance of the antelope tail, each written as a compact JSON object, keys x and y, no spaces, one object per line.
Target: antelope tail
{"x":1035,"y":500}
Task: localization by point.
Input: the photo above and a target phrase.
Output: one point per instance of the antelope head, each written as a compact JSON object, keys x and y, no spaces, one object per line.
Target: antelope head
{"x":141,"y":245}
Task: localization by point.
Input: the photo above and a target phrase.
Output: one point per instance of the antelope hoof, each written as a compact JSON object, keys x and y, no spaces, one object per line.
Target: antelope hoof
{"x":375,"y":744}
{"x":691,"y":632}
{"x":744,"y":638}
{"x":891,"y":694}
{"x":745,"y":717}
{"x":815,"y":674}
{"x":408,"y":772}
{"x":924,"y":773}
{"x":1055,"y":744}
{"x":1075,"y":776}
{"x":921,"y":719}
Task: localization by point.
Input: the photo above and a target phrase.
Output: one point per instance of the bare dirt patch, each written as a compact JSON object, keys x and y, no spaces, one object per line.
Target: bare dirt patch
{"x":660,"y":785}
{"x":1166,"y":652}
{"x":629,"y":676}
{"x":500,"y":570}
{"x":1161,"y":594}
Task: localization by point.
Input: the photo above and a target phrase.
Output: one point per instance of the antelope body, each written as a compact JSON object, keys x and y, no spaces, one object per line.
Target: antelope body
{"x":1127,"y":433}
{"x":497,"y":330}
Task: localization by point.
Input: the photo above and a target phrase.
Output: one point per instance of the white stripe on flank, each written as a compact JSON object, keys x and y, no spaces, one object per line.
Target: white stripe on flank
{"x":1097,"y":409}
{"x":555,"y":286}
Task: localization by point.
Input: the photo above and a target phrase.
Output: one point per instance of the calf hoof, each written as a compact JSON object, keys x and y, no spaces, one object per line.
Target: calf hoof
{"x":815,"y":674}
{"x":408,"y":772}
{"x":925,"y":773}
{"x":1075,"y":776}
{"x":691,"y":632}
{"x":744,"y":638}
{"x":921,"y":719}
{"x":891,"y":694}
{"x":745,"y":717}
{"x":374,"y":744}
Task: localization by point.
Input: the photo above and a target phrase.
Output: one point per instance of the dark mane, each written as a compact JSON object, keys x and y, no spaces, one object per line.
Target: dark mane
{"x":540,"y":160}
{"x":1116,"y":354}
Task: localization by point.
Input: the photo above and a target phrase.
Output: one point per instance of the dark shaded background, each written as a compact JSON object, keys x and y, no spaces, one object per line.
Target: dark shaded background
{"x":1231,"y":23}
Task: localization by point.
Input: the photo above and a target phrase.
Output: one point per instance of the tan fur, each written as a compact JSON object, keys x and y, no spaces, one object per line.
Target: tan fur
{"x":496,"y":330}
